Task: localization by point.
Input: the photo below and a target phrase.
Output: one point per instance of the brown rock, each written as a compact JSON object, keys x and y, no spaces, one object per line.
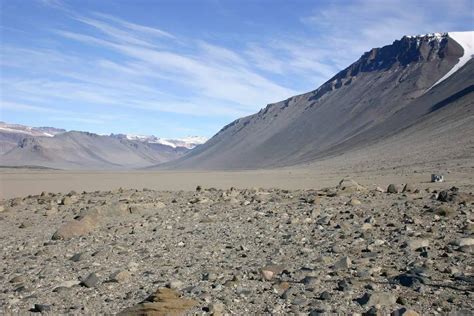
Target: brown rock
{"x":354,"y":202}
{"x":163,"y":302}
{"x":444,"y":210}
{"x":270,"y":271}
{"x":120,"y":276}
{"x":77,"y":228}
{"x":349,"y":185}
{"x":394,"y":188}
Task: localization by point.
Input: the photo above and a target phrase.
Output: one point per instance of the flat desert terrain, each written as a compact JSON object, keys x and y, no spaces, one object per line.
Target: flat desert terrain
{"x":163,"y":245}
{"x":22,"y":182}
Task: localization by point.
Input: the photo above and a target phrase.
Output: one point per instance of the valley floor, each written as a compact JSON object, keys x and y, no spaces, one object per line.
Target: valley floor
{"x":22,"y":182}
{"x":344,"y":249}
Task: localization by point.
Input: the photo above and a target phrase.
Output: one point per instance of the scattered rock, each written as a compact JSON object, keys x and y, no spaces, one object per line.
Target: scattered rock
{"x":416,"y":244}
{"x":354,"y":202}
{"x":66,"y":201}
{"x":377,"y":299}
{"x":163,"y":302}
{"x":409,"y":188}
{"x":394,"y":188}
{"x":269,"y":272}
{"x":349,"y":185}
{"x":217,"y":309}
{"x":18,"y":279}
{"x":42,"y":308}
{"x":464,"y":242}
{"x":343,"y":264}
{"x":120,"y":276}
{"x":90,"y":281}
{"x":444,"y":210}
{"x":404,"y":312}
{"x":76,"y":228}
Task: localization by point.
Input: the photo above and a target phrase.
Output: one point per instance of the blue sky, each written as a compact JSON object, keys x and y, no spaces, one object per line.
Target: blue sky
{"x":178,"y":68}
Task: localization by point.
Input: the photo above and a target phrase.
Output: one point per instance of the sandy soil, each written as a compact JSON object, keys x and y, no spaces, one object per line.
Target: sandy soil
{"x":22,"y":182}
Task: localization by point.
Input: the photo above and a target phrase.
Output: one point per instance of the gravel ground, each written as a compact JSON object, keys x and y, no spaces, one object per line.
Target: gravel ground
{"x":346,"y":249}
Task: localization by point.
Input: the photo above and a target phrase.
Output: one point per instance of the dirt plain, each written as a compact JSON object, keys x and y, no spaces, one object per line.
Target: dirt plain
{"x":288,"y":241}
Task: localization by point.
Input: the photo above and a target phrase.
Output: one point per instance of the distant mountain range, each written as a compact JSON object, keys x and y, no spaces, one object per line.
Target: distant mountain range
{"x":412,"y":100}
{"x":57,"y":148}
{"x":411,"y":93}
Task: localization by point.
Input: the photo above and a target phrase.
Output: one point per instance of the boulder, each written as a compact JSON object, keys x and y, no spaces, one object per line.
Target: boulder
{"x":378,"y":299}
{"x":349,"y":185}
{"x":164,"y":301}
{"x":394,"y":188}
{"x":76,"y":228}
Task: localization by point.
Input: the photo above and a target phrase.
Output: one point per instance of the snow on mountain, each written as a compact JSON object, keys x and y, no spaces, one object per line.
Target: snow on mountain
{"x":466,"y":40}
{"x":30,"y":131}
{"x":186,"y":142}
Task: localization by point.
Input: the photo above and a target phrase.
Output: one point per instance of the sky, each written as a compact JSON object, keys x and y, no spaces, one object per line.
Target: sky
{"x":175,"y":68}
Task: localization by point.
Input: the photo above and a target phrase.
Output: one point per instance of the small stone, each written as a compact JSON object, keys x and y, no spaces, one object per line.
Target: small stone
{"x":404,"y":312}
{"x":343,"y":264}
{"x":394,"y":188}
{"x":175,"y":284}
{"x":18,"y":279}
{"x":325,"y":296}
{"x":91,"y":281}
{"x":464,"y":242}
{"x":355,"y":202}
{"x":42,"y":308}
{"x":120,"y":276}
{"x":408,"y":188}
{"x":270,"y":271}
{"x":416,"y":244}
{"x":76,"y":257}
{"x":66,"y":201}
{"x":444,"y":210}
{"x":51,"y":212}
{"x":343,"y":286}
{"x":217,"y":309}
{"x":378,"y":299}
{"x":68,"y":284}
{"x":209,"y":276}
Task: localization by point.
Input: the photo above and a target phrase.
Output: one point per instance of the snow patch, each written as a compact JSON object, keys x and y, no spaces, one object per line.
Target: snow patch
{"x":466,"y":40}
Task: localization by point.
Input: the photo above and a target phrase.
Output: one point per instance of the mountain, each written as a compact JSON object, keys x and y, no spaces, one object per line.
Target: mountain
{"x":11,"y":134}
{"x":57,"y":148}
{"x":188,"y":142}
{"x":419,"y":85}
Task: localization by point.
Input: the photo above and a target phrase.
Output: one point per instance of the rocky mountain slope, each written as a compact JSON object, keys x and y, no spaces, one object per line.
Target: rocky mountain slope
{"x":12,"y":134}
{"x":386,"y":91}
{"x":56,"y":148}
{"x":81,"y":150}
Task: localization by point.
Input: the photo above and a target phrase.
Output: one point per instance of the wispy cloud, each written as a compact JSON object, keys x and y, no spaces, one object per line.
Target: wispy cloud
{"x":98,"y":63}
{"x":204,"y":79}
{"x":350,"y":28}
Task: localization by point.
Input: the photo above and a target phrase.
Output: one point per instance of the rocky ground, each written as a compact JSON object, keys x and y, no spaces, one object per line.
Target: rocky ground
{"x":404,"y":249}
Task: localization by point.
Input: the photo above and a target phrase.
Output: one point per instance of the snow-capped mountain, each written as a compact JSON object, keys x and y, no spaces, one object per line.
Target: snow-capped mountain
{"x":22,"y":145}
{"x":187,"y":142}
{"x":31,"y":131}
{"x":416,"y":92}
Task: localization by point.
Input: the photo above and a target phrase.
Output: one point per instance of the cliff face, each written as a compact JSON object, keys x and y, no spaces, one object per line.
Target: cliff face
{"x":358,"y":103}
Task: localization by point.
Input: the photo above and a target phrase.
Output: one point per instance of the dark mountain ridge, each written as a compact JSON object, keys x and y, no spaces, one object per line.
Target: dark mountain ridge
{"x":385,"y":91}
